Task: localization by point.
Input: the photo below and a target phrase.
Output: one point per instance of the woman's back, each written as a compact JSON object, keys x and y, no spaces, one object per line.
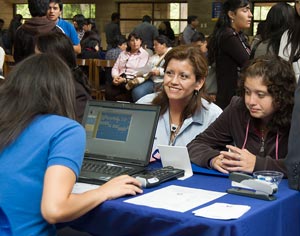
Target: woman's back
{"x":37,"y":131}
{"x":279,"y":19}
{"x":42,"y":144}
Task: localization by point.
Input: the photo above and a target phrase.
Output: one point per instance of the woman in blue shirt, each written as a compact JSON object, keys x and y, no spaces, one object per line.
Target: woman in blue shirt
{"x":41,"y":150}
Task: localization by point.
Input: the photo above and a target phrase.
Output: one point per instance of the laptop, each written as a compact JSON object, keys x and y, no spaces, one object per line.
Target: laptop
{"x":119,"y":139}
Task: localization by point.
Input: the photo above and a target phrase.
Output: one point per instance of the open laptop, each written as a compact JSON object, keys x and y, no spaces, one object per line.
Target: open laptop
{"x":119,"y":139}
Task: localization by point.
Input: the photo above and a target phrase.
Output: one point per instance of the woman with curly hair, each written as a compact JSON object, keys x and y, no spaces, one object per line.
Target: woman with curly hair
{"x":252,"y":132}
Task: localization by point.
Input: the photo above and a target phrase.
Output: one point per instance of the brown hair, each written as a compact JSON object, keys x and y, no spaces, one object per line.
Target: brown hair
{"x":27,"y":93}
{"x":279,"y":77}
{"x":199,"y":64}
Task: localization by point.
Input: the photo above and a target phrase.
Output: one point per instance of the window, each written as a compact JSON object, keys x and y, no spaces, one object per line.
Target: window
{"x":260,"y":12}
{"x":69,"y":10}
{"x":132,"y":13}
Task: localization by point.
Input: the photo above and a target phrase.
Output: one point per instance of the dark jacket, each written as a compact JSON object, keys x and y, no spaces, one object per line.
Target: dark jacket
{"x":89,"y":53}
{"x":232,"y":56}
{"x":293,"y":158}
{"x":82,"y":96}
{"x":24,"y":39}
{"x":230,"y":128}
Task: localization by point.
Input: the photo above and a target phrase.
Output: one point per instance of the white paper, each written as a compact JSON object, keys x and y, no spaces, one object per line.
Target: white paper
{"x":178,"y":157}
{"x":222,"y":211}
{"x":176,"y":198}
{"x":83,"y":187}
{"x":143,"y":70}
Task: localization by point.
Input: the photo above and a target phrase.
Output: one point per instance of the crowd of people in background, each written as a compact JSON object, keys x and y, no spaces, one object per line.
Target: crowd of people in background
{"x":241,"y":124}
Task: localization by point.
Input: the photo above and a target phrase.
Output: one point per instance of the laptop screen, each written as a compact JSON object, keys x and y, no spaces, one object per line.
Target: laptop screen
{"x":120,"y":132}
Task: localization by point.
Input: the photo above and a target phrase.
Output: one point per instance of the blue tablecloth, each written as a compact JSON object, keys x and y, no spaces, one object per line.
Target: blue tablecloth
{"x":280,"y":217}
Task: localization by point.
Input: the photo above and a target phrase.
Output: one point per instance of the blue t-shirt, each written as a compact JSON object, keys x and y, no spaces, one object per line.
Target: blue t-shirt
{"x":69,"y":30}
{"x":49,"y":140}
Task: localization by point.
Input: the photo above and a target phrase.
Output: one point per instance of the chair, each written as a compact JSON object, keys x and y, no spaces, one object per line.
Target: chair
{"x":101,"y":70}
{"x":87,"y":67}
{"x":9,"y":63}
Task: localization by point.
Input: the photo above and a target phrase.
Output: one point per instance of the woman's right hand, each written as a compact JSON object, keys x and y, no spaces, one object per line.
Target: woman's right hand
{"x":118,"y":80}
{"x":120,"y":186}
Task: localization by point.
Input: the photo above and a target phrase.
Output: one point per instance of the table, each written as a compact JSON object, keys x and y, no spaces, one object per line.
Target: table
{"x":117,"y":218}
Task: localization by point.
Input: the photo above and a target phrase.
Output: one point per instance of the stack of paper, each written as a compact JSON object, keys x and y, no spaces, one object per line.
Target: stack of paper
{"x":176,"y":198}
{"x":222,"y":211}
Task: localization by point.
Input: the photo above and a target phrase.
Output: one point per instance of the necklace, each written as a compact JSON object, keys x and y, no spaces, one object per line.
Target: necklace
{"x":174,"y":131}
{"x":262,"y":148}
{"x":174,"y":128}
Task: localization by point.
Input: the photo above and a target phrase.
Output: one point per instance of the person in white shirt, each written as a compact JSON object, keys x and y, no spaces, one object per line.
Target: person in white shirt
{"x":289,"y":44}
{"x":2,"y":56}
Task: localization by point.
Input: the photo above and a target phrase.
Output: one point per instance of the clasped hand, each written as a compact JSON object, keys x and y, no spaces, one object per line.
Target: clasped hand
{"x":235,"y":159}
{"x":118,"y":80}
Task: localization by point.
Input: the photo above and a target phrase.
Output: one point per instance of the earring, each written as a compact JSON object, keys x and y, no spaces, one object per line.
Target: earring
{"x":232,"y":20}
{"x":196,"y":92}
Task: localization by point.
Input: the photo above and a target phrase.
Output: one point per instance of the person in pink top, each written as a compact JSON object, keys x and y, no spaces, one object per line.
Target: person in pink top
{"x":129,"y":66}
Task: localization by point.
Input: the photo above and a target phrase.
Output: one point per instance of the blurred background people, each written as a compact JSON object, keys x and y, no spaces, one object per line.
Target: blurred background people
{"x":228,"y":48}
{"x":9,"y":37}
{"x":199,"y":40}
{"x":147,"y":31}
{"x":53,"y":13}
{"x":78,"y":22}
{"x":2,"y":56}
{"x":119,"y":45}
{"x":279,"y":18}
{"x":190,"y":29}
{"x":162,"y":45}
{"x":60,"y":45}
{"x":112,"y":30}
{"x":165,"y":28}
{"x":290,"y":45}
{"x":38,"y":24}
{"x":90,"y":46}
{"x":259,"y":31}
{"x":127,"y":66}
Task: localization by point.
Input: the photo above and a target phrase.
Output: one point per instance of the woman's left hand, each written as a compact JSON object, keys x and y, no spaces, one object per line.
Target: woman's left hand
{"x":118,"y":80}
{"x":237,"y":159}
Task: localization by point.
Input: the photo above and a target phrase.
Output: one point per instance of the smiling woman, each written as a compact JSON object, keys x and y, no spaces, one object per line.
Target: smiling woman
{"x":257,"y":123}
{"x":185,"y":108}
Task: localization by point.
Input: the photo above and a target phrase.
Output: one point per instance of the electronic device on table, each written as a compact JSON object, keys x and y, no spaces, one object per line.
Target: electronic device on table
{"x":153,"y":178}
{"x":119,"y":139}
{"x":245,"y":185}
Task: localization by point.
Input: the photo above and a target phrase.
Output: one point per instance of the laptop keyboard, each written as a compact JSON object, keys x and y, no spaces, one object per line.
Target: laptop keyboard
{"x":106,"y":168}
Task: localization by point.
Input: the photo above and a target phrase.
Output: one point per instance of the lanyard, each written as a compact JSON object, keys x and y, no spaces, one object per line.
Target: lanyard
{"x":246,"y":137}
